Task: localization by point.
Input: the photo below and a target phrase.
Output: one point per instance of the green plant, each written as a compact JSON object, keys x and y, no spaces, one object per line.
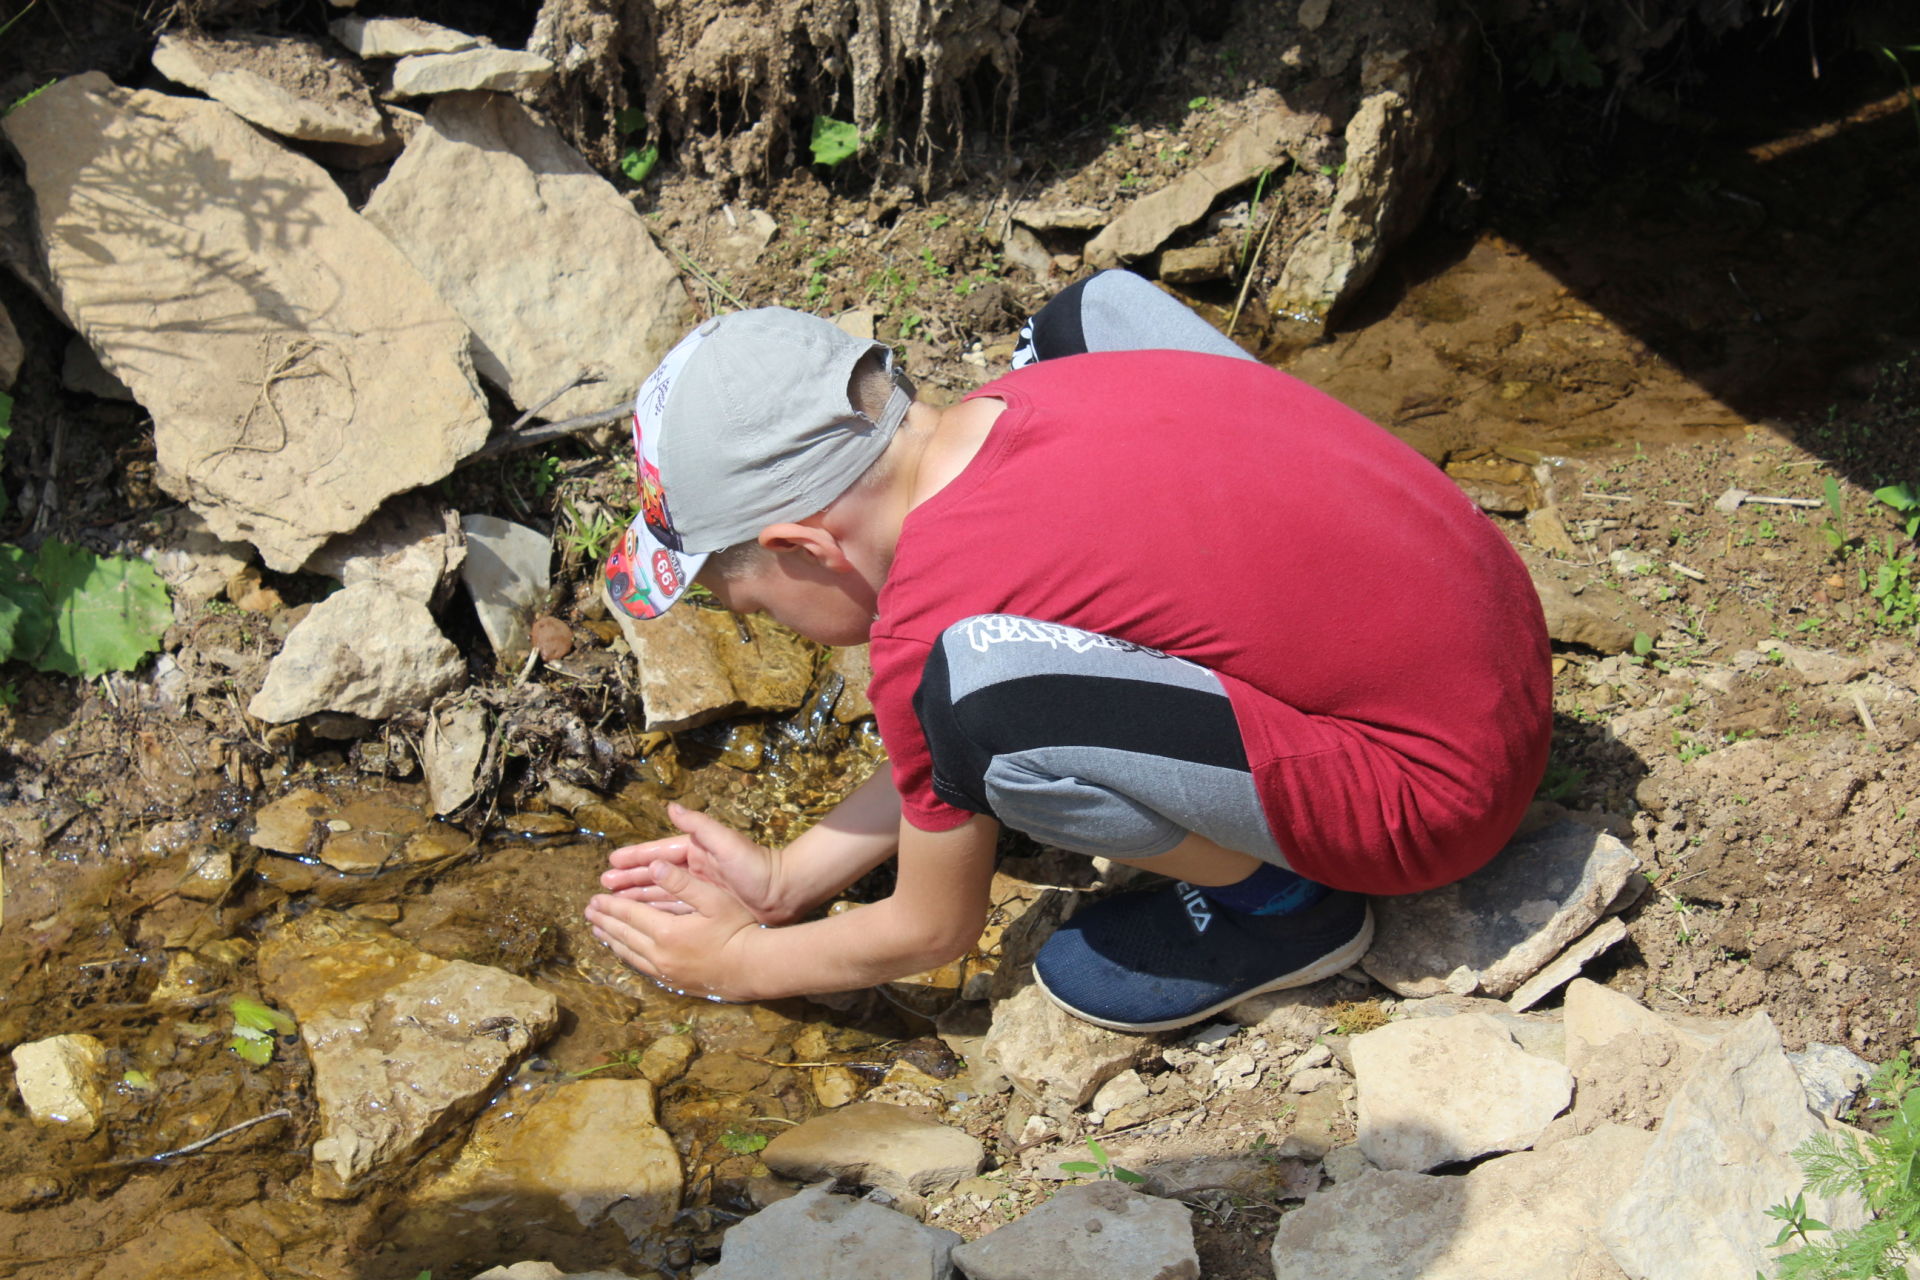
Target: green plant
{"x":833,"y":140}
{"x":1891,"y":584}
{"x":1905,"y":503}
{"x":1834,"y":530}
{"x":629,"y":1058}
{"x":587,"y":538}
{"x":1103,"y":1165}
{"x":1201,"y":103}
{"x":254,"y":1027}
{"x":1567,"y":59}
{"x":743,"y":1143}
{"x":1882,"y":1168}
{"x":1562,"y":782}
{"x":65,"y":609}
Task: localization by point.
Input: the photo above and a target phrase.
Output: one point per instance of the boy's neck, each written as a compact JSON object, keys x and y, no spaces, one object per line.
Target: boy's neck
{"x":931,"y":449}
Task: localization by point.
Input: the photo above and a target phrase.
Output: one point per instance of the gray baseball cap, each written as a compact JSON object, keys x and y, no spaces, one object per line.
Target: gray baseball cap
{"x":746,"y":423}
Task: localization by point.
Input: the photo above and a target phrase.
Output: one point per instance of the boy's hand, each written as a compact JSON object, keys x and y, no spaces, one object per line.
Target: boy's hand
{"x":697,"y":952}
{"x":709,"y":849}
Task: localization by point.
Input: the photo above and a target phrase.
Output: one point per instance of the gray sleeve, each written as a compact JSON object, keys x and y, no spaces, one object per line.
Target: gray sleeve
{"x":1116,"y":311}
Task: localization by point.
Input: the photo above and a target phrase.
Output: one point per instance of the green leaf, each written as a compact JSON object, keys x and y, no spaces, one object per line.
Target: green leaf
{"x":1079,"y":1166}
{"x":833,"y":140}
{"x":258,"y":1052}
{"x":1832,"y":490}
{"x":1128,"y":1176}
{"x":1642,"y":644}
{"x":1898,"y":496}
{"x":26,"y":621}
{"x":253,"y":1015}
{"x":629,"y":120}
{"x":108,"y":613}
{"x":743,"y":1144}
{"x":1099,"y":1152}
{"x":638,"y":162}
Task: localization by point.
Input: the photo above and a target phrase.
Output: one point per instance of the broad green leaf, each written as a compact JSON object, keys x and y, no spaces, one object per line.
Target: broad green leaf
{"x":1079,"y":1166}
{"x":638,"y":162}
{"x":1128,"y":1176}
{"x":629,"y":120}
{"x":29,"y":619}
{"x":833,"y":140}
{"x":108,"y":613}
{"x":1642,"y":644}
{"x":255,"y":1016}
{"x":1898,"y":496}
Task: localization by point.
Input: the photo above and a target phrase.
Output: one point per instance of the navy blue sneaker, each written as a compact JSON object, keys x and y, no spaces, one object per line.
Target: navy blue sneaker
{"x":1167,"y":957}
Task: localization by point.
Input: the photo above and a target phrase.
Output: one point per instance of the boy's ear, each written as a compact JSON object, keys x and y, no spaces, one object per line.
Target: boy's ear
{"x":811,"y":540}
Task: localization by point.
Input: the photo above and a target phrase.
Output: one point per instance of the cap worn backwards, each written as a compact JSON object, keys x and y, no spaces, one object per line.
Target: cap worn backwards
{"x":746,"y":423}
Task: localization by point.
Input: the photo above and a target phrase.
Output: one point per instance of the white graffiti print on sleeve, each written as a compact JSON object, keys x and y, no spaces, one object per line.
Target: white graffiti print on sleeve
{"x":1000,"y":628}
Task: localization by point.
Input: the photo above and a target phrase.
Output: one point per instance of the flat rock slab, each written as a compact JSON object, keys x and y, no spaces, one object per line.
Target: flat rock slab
{"x":180,"y":1244}
{"x":353,"y":832}
{"x":507,"y":569}
{"x":828,"y":1237}
{"x":1723,"y":1154}
{"x":1094,"y":1231}
{"x":1582,"y":610}
{"x":275,"y":335}
{"x":1502,"y":924}
{"x":696,"y":666}
{"x":284,"y":84}
{"x":877,"y":1145}
{"x":366,"y":650}
{"x":589,"y":1152}
{"x":1053,"y":1057}
{"x":1627,"y":1061}
{"x":1568,"y":964}
{"x":599,"y":298}
{"x":1528,"y":1216}
{"x":404,"y":1045}
{"x":1434,"y":1091}
{"x":399,"y":37}
{"x":1147,"y":223}
{"x":493,"y":70}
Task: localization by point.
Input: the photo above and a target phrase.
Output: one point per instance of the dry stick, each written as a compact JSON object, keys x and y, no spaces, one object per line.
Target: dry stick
{"x":707,"y":279}
{"x":503,"y":444}
{"x":1246,"y":281}
{"x":278,"y":1113}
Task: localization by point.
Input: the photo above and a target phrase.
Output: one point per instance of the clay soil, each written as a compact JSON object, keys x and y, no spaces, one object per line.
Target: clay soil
{"x":1618,"y":323}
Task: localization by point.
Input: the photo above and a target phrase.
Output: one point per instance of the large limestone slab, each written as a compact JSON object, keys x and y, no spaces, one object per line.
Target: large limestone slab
{"x":399,"y":37}
{"x":878,"y":1145}
{"x":366,"y":650}
{"x":1502,"y":924}
{"x":298,"y":369}
{"x":599,"y":298}
{"x":1434,"y":1091}
{"x":404,"y":1045}
{"x":1147,"y":222}
{"x":700,"y":665}
{"x":829,"y":1237}
{"x":284,"y":84}
{"x":1527,"y":1216}
{"x":1722,"y":1155}
{"x":580,"y":1155}
{"x":1627,"y":1061}
{"x":1094,"y":1231}
{"x":492,"y":70}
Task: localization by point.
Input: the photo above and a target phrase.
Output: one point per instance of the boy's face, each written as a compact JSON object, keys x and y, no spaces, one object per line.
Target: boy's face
{"x":796,"y":591}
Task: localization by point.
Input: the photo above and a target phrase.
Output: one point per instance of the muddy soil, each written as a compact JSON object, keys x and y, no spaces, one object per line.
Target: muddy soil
{"x":1629,"y":326}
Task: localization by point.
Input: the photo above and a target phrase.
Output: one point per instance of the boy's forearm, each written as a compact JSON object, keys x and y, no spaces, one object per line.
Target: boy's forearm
{"x":936,"y":912}
{"x":857,"y":835}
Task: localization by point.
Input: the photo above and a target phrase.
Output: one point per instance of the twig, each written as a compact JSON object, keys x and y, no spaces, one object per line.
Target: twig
{"x":513,"y":442}
{"x":1609,"y":497}
{"x":579,"y":379}
{"x":278,"y":1113}
{"x":707,"y":279}
{"x":1866,"y":716}
{"x":1246,"y":280}
{"x":1785,"y":502}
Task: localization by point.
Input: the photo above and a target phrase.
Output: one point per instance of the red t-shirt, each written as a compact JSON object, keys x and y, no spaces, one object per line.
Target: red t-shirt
{"x":1380,"y":641}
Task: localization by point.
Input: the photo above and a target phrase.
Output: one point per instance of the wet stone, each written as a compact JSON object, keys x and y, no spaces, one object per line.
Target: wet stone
{"x":59,"y":1080}
{"x":696,"y":667}
{"x":872,"y":1144}
{"x":666,"y":1059}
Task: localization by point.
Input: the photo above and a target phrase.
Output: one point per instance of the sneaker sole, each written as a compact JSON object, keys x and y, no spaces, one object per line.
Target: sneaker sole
{"x":1325,"y":967}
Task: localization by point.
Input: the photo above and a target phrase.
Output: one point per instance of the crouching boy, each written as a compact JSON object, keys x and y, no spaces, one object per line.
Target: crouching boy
{"x":1163,"y":605}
